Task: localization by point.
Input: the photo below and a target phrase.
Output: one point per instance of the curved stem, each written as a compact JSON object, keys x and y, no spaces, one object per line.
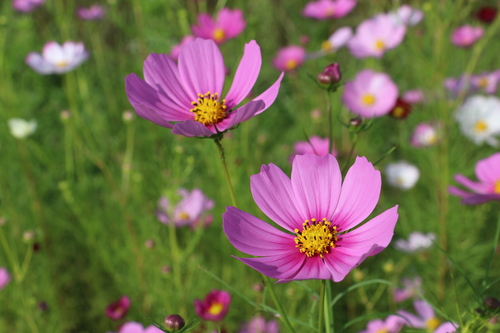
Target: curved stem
{"x":278,"y":304}
{"x":217,"y":141}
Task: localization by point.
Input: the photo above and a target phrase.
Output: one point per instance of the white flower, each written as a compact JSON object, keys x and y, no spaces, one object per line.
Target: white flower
{"x":57,"y":59}
{"x":479,"y":119}
{"x":416,"y":241}
{"x":407,"y":15}
{"x":21,"y":128}
{"x":402,"y":174}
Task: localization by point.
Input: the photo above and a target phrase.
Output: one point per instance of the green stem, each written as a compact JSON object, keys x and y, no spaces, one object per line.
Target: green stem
{"x":174,"y":249}
{"x":68,"y":149}
{"x":8,"y":252}
{"x":217,"y":141}
{"x":495,"y":244}
{"x":278,"y":304}
{"x":353,"y":146}
{"x":321,"y":322}
{"x":328,"y":308}
{"x":127,"y":161}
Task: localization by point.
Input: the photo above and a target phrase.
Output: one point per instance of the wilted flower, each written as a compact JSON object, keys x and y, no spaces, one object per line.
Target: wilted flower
{"x":117,"y":310}
{"x":376,"y":35}
{"x":370,"y":94}
{"x":289,"y":58}
{"x":416,"y":241}
{"x":176,"y":49}
{"x":316,"y":208}
{"x":328,"y":9}
{"x":4,"y":277}
{"x":215,"y":305}
{"x":133,"y":327}
{"x":189,"y":211}
{"x":189,"y":94}
{"x":402,"y":175}
{"x":466,"y":35}
{"x":57,"y":59}
{"x":229,"y":24}
{"x":392,"y":324}
{"x":407,"y":15}
{"x":337,"y":40}
{"x":414,"y":96}
{"x":93,"y":13}
{"x":425,"y":135}
{"x":487,"y":82}
{"x":479,"y":119}
{"x":487,"y":189}
{"x":26,"y":5}
{"x":411,"y":288}
{"x":20,"y":128}
{"x":426,"y":318}
{"x":315,"y":145}
{"x":258,"y":325}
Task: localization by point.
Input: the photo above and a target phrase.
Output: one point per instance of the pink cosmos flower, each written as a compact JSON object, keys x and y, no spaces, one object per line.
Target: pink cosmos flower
{"x":411,"y":288}
{"x":413,"y":96}
{"x":407,"y":15}
{"x":487,"y":82}
{"x":229,"y":24}
{"x":289,"y":58}
{"x":4,"y":277}
{"x":328,"y":9}
{"x":93,"y":13}
{"x":370,"y":94}
{"x":337,"y":40}
{"x":317,"y":211}
{"x":133,"y":327}
{"x":426,"y":318}
{"x":57,"y":59}
{"x":189,"y":94}
{"x":315,"y":145}
{"x":446,"y":327}
{"x":466,"y":35}
{"x":117,"y":310}
{"x":26,"y":5}
{"x":487,"y":189}
{"x":176,"y":49}
{"x":215,"y":305}
{"x":426,"y":135}
{"x":392,"y":324}
{"x":375,"y":36}
{"x":258,"y":325}
{"x":189,"y":211}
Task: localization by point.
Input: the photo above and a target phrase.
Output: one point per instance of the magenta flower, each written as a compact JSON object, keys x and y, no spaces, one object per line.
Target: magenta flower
{"x":93,"y":13}
{"x":392,"y":324}
{"x":487,"y":189}
{"x":328,"y":9}
{"x":426,"y":318}
{"x":289,"y":58}
{"x":176,"y":49}
{"x":189,"y":211}
{"x":315,"y":145}
{"x":26,"y":6}
{"x":426,"y":135}
{"x":229,"y":24}
{"x":258,"y":325}
{"x":133,"y":327}
{"x":57,"y":59}
{"x":370,"y":94}
{"x":466,"y":35}
{"x":4,"y":277}
{"x":487,"y":82}
{"x":411,"y":288}
{"x":317,"y":211}
{"x":189,"y":94}
{"x":117,"y":310}
{"x":215,"y":305}
{"x":375,"y":36}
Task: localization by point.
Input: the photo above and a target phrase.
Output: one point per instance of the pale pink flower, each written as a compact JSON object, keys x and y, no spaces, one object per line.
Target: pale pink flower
{"x":259,"y":325}
{"x":289,"y":58}
{"x":214,"y":307}
{"x":425,"y":135}
{"x":133,"y":327}
{"x":176,"y":49}
{"x":446,"y":327}
{"x":4,"y":277}
{"x":370,"y":94}
{"x":392,"y":324}
{"x":407,"y":15}
{"x":402,"y":175}
{"x":487,"y":82}
{"x":414,"y":96}
{"x":315,"y":145}
{"x":466,"y":35}
{"x":411,"y":288}
{"x":417,"y":241}
{"x":426,"y":318}
{"x":93,"y":13}
{"x":229,"y":24}
{"x":375,"y":36}
{"x":26,"y":5}
{"x":337,"y":40}
{"x":57,"y":59}
{"x":328,"y":9}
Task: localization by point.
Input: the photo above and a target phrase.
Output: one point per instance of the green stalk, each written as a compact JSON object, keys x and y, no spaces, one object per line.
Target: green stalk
{"x":490,"y":262}
{"x":217,"y":141}
{"x":127,"y":161}
{"x":282,"y":312}
{"x":321,"y":322}
{"x":330,"y":121}
{"x":328,"y":308}
{"x":353,"y":146}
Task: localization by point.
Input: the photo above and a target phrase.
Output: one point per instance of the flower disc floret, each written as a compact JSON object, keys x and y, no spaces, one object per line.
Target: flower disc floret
{"x":208,"y":109}
{"x":316,"y":237}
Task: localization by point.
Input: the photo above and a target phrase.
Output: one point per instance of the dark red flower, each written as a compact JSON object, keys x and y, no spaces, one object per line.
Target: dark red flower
{"x":401,"y":109}
{"x":117,"y":310}
{"x":487,"y":14}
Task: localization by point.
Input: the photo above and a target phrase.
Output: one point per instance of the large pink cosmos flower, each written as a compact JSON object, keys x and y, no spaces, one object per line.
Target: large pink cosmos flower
{"x":466,"y":35}
{"x":215,"y":305}
{"x":370,"y":94}
{"x":229,"y":24}
{"x":57,"y":59}
{"x":26,"y":5}
{"x":317,"y":211}
{"x":375,"y":36}
{"x":328,"y":9}
{"x":189,"y":94}
{"x":487,"y":189}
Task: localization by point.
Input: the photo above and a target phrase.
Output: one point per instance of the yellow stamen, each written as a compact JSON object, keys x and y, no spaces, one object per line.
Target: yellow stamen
{"x":496,"y":188}
{"x":329,"y":11}
{"x":290,"y":64}
{"x":61,"y":64}
{"x":219,"y":35}
{"x":215,"y":308}
{"x":327,"y":46}
{"x":316,"y":237}
{"x":398,"y":112}
{"x":368,"y":99}
{"x":383,"y":330}
{"x":480,"y":126}
{"x":183,"y":216}
{"x":208,"y":109}
{"x":432,"y":324}
{"x":379,"y":45}
{"x":483,"y":82}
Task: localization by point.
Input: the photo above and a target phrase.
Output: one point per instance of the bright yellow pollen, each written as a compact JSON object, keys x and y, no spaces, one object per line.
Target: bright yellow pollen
{"x":290,"y":64}
{"x":483,"y":82}
{"x":398,"y":112}
{"x":219,"y":35}
{"x":379,"y":45}
{"x":183,"y":216}
{"x":208,"y":109}
{"x":384,"y":330}
{"x":432,"y":324}
{"x":316,"y":237}
{"x":368,"y":99}
{"x":326,"y":46}
{"x":215,"y":308}
{"x":61,"y":64}
{"x":480,"y":126}
{"x":496,"y":188}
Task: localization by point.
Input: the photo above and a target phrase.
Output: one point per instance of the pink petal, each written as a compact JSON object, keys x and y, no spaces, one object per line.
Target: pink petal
{"x":313,"y":268}
{"x":246,"y":74}
{"x":254,"y":236}
{"x":488,"y":169}
{"x":53,"y":53}
{"x":231,"y":21}
{"x":446,"y":328}
{"x":240,"y":115}
{"x":480,"y":198}
{"x":191,"y":128}
{"x":270,"y":94}
{"x":283,"y":266}
{"x":201,"y":68}
{"x":359,"y":196}
{"x":340,"y":262}
{"x":205,"y":26}
{"x":35,"y":61}
{"x":316,"y":184}
{"x":424,"y":309}
{"x":458,"y":192}
{"x":472,"y":185}
{"x":411,"y":320}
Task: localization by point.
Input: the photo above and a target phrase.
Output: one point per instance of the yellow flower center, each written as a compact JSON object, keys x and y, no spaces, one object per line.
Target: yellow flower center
{"x":290,"y":64}
{"x":480,"y":126}
{"x":215,"y":308}
{"x":432,"y":324}
{"x":379,"y":45}
{"x":316,"y":237}
{"x":208,"y":109}
{"x":219,"y":35}
{"x":368,"y":99}
{"x":483,"y":82}
{"x":384,"y":330}
{"x":183,"y":216}
{"x":398,"y":112}
{"x":329,"y":11}
{"x":327,"y":46}
{"x":61,"y":64}
{"x":496,"y":188}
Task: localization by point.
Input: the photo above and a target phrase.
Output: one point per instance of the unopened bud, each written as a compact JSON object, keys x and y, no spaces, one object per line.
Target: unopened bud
{"x":29,"y":235}
{"x":174,"y":322}
{"x":492,"y":302}
{"x":149,"y":243}
{"x":355,"y":122}
{"x":331,"y":74}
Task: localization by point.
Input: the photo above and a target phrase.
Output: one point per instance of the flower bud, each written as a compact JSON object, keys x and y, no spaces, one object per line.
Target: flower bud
{"x":492,"y":302}
{"x":127,"y":116}
{"x":149,"y":243}
{"x":174,"y":322}
{"x":65,"y":115}
{"x":356,"y":122}
{"x":330,"y":75}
